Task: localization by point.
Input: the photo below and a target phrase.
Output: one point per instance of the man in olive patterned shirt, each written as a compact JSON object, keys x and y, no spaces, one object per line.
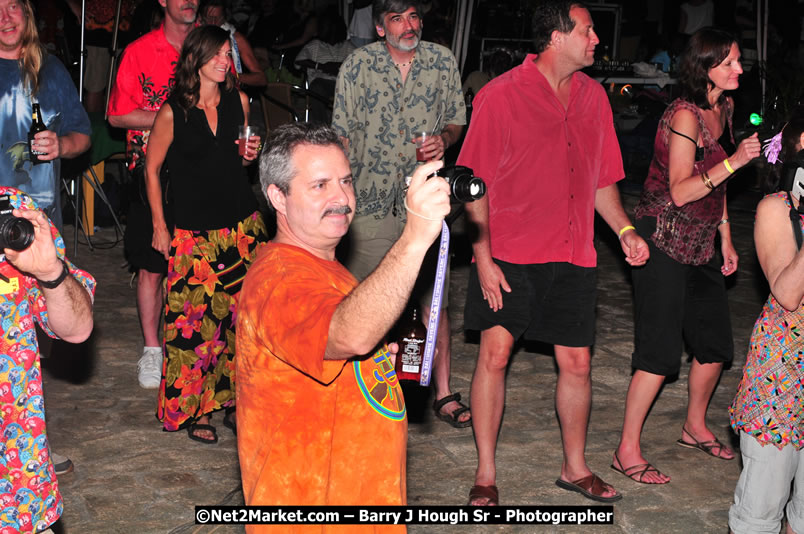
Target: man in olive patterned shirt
{"x":388,"y":92}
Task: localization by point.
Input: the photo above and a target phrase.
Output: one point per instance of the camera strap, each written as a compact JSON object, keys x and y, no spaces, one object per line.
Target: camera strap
{"x":435,"y":306}
{"x":795,"y":219}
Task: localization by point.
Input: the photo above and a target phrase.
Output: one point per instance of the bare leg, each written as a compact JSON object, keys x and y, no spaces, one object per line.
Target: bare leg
{"x":441,"y":364}
{"x":641,"y":392}
{"x":573,"y":403}
{"x":488,"y":400}
{"x":702,"y":382}
{"x":150,"y":305}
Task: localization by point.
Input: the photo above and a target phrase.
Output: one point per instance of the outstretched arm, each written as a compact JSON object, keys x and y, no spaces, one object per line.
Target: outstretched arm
{"x":368,"y":312}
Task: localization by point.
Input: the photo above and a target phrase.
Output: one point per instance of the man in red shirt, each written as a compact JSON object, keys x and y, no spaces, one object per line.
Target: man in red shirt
{"x":542,"y":137}
{"x":143,"y":83}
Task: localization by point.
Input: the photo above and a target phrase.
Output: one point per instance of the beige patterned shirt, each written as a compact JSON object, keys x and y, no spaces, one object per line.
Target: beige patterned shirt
{"x":380,"y":116}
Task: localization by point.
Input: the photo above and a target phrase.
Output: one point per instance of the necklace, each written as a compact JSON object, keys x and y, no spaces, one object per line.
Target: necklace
{"x":403,"y":65}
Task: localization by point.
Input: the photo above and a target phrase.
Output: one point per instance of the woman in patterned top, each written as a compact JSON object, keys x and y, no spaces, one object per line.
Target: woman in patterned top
{"x":768,"y":410}
{"x":680,"y":294}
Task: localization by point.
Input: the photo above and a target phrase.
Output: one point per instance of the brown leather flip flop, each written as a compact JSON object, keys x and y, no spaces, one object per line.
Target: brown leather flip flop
{"x":490,"y":493}
{"x":591,"y":487}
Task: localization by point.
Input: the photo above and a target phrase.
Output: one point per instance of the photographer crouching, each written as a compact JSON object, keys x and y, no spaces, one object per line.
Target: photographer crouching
{"x":37,"y":285}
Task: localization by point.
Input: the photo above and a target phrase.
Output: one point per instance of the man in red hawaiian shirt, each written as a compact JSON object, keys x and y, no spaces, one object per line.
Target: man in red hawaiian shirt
{"x":143,"y":83}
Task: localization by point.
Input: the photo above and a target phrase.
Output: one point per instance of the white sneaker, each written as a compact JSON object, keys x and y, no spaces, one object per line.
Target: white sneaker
{"x":149,"y":368}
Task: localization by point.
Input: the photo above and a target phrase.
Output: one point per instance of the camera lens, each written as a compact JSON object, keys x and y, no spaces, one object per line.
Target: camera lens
{"x":464,"y":185}
{"x":16,"y":233}
{"x":468,"y":188}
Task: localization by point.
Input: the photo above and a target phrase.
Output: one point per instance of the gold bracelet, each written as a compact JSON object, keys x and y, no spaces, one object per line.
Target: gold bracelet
{"x":728,"y":166}
{"x":707,"y":182}
{"x":624,"y":229}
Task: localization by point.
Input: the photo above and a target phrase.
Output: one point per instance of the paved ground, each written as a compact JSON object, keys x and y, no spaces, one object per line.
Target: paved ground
{"x":132,"y":477}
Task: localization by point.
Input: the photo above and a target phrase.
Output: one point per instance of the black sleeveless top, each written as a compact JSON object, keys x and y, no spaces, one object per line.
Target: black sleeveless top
{"x":210,"y":189}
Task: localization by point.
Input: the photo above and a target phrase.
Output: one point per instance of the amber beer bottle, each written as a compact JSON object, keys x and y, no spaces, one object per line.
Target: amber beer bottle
{"x":37,"y":125}
{"x":411,"y":339}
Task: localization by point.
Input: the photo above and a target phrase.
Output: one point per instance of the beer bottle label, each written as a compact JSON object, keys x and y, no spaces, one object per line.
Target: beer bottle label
{"x":411,"y":354}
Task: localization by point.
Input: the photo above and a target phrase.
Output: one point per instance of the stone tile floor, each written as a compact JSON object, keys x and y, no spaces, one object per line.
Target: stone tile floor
{"x":130,"y":477}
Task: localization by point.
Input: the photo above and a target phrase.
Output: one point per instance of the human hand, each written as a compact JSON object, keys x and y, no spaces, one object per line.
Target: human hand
{"x":635,"y":248}
{"x":47,"y":144}
{"x":161,"y":241}
{"x":730,"y":258}
{"x":432,"y":148}
{"x":393,"y":349}
{"x":427,"y":202}
{"x":253,"y":145}
{"x":748,"y":149}
{"x":40,"y":260}
{"x":491,"y":279}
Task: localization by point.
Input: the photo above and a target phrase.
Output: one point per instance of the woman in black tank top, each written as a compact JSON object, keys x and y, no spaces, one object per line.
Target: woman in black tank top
{"x":218,"y":230}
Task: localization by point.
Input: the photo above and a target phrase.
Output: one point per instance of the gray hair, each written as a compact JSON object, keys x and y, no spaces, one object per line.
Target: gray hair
{"x":380,"y":8}
{"x":276,"y":161}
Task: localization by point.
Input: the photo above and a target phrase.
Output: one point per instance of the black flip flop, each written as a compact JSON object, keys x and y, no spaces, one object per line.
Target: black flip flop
{"x":197,"y":426}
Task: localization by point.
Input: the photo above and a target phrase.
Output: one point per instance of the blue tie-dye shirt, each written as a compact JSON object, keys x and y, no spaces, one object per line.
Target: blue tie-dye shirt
{"x":61,"y":112}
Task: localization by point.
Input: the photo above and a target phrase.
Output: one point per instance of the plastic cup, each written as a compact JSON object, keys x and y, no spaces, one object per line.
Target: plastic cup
{"x":244,"y":133}
{"x":420,"y":140}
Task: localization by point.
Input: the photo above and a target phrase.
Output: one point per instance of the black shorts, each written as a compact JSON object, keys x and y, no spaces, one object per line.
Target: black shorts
{"x":139,"y":231}
{"x":674,"y":303}
{"x":549,"y":302}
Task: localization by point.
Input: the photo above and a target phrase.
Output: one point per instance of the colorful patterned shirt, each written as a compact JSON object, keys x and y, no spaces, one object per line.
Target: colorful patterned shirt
{"x":769,"y":403}
{"x":144,"y":81}
{"x":685,"y":233}
{"x":380,"y":116}
{"x":29,"y":492}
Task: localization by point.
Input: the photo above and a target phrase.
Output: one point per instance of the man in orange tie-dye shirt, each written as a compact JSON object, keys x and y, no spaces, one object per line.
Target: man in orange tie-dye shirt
{"x":321,"y":419}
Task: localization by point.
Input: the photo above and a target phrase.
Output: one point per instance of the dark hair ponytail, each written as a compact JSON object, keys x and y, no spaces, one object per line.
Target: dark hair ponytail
{"x":791,"y":156}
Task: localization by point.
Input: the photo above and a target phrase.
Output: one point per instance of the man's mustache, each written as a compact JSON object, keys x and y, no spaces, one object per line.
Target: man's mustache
{"x":340,"y":210}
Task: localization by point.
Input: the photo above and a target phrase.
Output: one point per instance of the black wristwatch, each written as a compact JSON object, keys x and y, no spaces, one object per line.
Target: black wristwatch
{"x":53,"y":284}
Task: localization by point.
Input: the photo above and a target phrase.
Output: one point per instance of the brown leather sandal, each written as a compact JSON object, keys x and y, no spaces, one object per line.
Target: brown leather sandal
{"x":705,"y":446}
{"x":490,"y":493}
{"x":591,"y":487}
{"x":637,"y":471}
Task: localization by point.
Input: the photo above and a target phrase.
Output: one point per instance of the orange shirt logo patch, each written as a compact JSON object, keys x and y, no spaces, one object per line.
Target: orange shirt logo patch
{"x":379,"y":385}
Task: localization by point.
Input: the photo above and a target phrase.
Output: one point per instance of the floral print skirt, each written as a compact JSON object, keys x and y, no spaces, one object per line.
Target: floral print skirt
{"x":205,"y":273}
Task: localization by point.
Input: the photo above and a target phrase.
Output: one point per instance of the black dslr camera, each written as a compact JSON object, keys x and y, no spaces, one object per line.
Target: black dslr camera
{"x":16,"y":233}
{"x":464,"y":185}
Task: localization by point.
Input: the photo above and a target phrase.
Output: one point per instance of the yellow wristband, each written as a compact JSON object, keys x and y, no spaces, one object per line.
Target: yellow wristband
{"x":728,"y":166}
{"x":625,"y":229}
